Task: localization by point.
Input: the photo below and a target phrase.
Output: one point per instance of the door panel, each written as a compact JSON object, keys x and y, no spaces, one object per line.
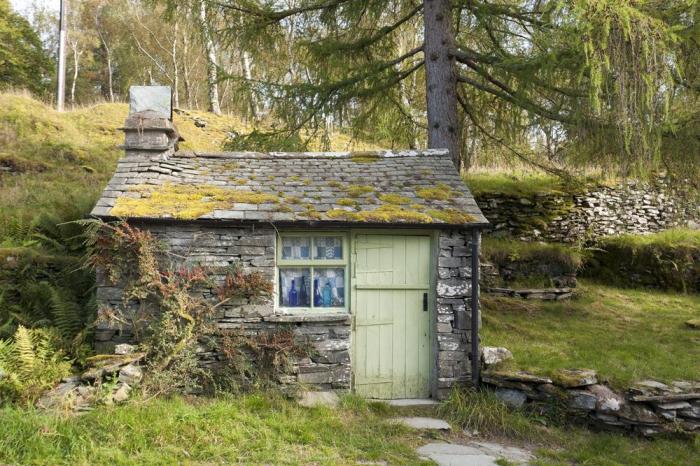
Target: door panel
{"x":392,"y":332}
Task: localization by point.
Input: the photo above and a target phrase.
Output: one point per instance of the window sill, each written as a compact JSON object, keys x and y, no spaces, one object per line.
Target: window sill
{"x":309,"y":317}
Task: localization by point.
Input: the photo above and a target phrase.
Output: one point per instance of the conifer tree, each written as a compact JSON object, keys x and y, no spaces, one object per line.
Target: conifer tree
{"x":600,"y":71}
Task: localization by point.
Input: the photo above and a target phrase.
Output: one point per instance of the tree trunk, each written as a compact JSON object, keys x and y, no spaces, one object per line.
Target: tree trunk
{"x":211,"y":61}
{"x":186,"y":69}
{"x":176,"y":71}
{"x":248,"y":74}
{"x":76,"y":66}
{"x":440,"y":79}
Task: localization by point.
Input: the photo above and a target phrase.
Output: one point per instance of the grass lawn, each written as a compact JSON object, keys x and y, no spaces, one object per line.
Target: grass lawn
{"x":265,"y":429}
{"x":625,"y":334}
{"x":254,"y":429}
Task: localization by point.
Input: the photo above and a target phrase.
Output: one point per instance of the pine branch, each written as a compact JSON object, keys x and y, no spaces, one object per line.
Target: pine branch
{"x":271,"y":16}
{"x":472,"y":117}
{"x":379,"y":35}
{"x":518,"y":100}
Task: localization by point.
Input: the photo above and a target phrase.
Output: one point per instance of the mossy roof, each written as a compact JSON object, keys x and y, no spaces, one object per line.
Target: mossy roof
{"x":190,"y":185}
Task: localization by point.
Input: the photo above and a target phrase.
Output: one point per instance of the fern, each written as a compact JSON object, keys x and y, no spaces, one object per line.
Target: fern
{"x":67,"y":314}
{"x":25,"y":358}
{"x":30,"y":363}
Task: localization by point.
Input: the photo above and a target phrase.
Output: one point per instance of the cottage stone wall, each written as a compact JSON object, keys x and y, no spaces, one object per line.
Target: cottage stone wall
{"x":253,"y":247}
{"x":329,"y":365}
{"x":632,"y":207}
{"x":453,"y":328}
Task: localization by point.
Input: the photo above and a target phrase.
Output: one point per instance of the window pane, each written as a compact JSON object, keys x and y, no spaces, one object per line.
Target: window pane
{"x":296,"y":247}
{"x":295,"y":288}
{"x":328,"y":247}
{"x":329,"y":287}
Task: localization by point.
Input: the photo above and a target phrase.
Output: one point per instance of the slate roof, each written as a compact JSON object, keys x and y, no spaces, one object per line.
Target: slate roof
{"x":409,"y":187}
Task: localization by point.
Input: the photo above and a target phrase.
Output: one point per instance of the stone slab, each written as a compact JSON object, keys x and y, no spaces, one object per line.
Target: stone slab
{"x":312,"y":399}
{"x":473,"y":454}
{"x":424,"y":423}
{"x":413,"y":402}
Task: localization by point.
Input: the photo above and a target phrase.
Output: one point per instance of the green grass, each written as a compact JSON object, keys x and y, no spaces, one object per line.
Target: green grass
{"x":253,"y":429}
{"x":266,"y":429}
{"x":678,"y":237}
{"x":624,"y":334}
{"x":555,"y":443}
{"x":515,"y":185}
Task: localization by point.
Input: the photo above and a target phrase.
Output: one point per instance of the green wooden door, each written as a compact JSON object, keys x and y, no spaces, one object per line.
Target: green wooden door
{"x":391,"y":356}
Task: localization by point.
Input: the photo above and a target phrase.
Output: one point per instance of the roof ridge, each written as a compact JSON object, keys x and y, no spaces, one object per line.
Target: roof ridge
{"x":310,"y":155}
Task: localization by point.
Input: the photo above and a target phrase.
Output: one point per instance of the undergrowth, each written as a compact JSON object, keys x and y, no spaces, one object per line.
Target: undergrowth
{"x":667,"y":260}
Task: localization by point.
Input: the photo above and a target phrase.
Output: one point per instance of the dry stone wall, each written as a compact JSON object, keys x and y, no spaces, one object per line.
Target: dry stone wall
{"x":633,"y":207}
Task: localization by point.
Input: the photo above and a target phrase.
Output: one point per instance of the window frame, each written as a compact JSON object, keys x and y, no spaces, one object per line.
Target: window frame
{"x":312,"y":264}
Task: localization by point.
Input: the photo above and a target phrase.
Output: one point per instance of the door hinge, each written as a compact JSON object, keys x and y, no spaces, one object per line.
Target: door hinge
{"x":425,"y":302}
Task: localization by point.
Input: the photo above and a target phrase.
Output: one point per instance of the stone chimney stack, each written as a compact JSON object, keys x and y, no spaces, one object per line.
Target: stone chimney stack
{"x":149,"y":130}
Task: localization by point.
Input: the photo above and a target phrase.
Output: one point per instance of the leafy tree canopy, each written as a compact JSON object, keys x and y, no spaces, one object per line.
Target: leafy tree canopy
{"x":23,"y":62}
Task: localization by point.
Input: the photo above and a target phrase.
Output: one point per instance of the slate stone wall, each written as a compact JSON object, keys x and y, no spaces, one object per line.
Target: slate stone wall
{"x":632,"y":207}
{"x":254,"y":249}
{"x":329,"y":366}
{"x":453,"y":311}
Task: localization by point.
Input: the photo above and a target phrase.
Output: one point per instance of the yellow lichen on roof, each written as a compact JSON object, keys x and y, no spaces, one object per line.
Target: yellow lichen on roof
{"x":184,"y":201}
{"x":441,"y":192}
{"x":394,"y":199}
{"x":356,"y":190}
{"x":451,"y":216}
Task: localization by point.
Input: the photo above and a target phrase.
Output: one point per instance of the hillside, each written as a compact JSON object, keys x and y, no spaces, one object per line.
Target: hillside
{"x":57,"y":163}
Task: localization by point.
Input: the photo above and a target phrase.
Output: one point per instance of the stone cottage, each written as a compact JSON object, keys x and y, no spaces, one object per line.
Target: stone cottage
{"x":371,"y":254}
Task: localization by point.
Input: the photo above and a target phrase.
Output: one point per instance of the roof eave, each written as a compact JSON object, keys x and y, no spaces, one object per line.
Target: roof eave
{"x":298,"y":223}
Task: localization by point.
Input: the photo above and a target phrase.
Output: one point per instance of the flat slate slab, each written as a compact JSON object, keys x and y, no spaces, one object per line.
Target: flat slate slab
{"x":311,"y":399}
{"x":425,"y":423}
{"x":473,"y":454}
{"x":413,"y":402}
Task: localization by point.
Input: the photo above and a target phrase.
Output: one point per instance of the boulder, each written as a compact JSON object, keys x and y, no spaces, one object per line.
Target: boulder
{"x":574,"y":378}
{"x":513,"y":376}
{"x":690,"y":413}
{"x":124,"y":348}
{"x":512,"y":398}
{"x":693,"y":323}
{"x":121,"y":394}
{"x":311,"y":399}
{"x":607,"y":401}
{"x":582,"y":400}
{"x":131,"y":374}
{"x":638,"y":414}
{"x":56,"y":397}
{"x":492,"y":355}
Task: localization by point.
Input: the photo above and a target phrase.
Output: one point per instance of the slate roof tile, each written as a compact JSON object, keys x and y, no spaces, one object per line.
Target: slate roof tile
{"x":288,"y":187}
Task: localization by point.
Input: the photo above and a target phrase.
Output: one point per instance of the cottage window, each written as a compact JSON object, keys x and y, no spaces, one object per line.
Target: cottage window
{"x":312,"y":271}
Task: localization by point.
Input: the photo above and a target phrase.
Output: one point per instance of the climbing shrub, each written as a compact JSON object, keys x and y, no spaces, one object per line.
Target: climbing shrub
{"x":166,"y":307}
{"x":258,"y":361}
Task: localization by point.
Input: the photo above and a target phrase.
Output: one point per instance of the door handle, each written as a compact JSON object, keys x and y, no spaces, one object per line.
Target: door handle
{"x":425,"y":302}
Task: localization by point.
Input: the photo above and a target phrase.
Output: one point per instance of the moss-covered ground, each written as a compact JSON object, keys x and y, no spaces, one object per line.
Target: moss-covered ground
{"x":625,"y":334}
